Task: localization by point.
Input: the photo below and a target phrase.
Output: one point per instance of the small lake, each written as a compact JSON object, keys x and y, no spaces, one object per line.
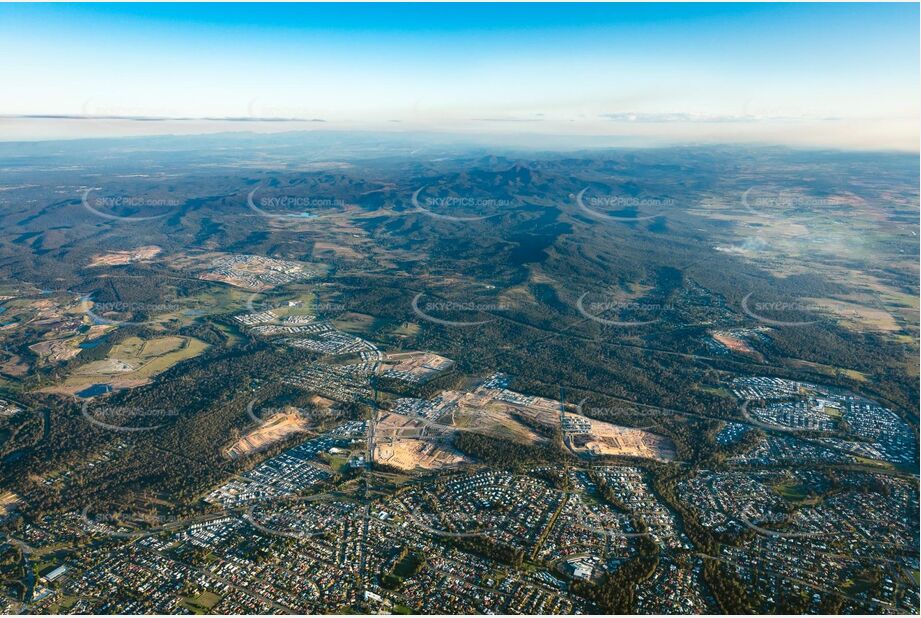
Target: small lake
{"x":15,"y":456}
{"x":94,"y":390}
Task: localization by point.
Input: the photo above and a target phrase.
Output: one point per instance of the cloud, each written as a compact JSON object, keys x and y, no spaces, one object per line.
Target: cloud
{"x":162,"y":118}
{"x":643,"y":117}
{"x":510,"y":119}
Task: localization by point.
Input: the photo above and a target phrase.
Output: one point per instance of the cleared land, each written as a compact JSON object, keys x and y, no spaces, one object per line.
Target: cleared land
{"x":56,"y":350}
{"x":119,"y":258}
{"x":408,"y":444}
{"x":521,"y":418}
{"x":422,"y":366}
{"x":276,"y":428}
{"x":356,"y":323}
{"x":859,"y":314}
{"x":409,"y":454}
{"x":324,"y":249}
{"x":607,"y":439}
{"x":131,"y":363}
{"x":8,"y":502}
{"x":598,"y":438}
{"x":12,"y":365}
{"x":735,"y":344}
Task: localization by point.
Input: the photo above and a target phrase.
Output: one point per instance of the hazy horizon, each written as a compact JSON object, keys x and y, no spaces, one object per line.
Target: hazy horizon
{"x":827,"y":76}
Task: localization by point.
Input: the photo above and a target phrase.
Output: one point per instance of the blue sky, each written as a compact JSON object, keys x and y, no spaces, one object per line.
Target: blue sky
{"x":822,"y":74}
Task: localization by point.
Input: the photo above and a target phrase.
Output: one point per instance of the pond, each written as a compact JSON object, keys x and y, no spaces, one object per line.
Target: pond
{"x":95,"y":389}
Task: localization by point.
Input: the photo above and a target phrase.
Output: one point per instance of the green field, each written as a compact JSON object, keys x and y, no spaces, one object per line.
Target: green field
{"x":792,"y":491}
{"x":356,"y":323}
{"x":338,"y":463}
{"x":135,"y":361}
{"x":202,"y":603}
